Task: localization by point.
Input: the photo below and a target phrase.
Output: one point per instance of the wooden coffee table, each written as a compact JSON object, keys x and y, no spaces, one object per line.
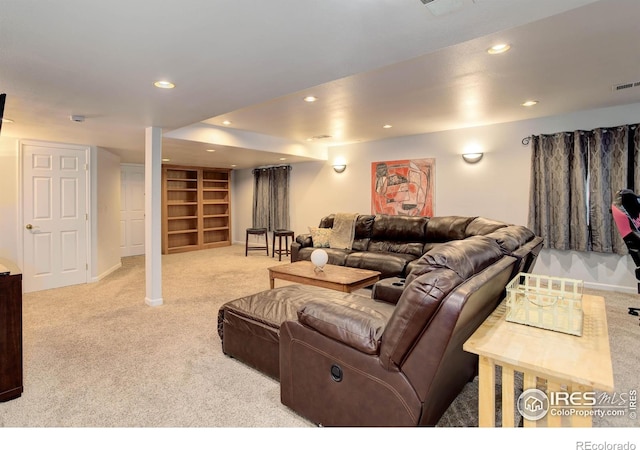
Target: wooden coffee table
{"x":338,"y":278}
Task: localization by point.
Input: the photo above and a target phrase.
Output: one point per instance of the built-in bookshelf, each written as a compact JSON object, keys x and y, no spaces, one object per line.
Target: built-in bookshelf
{"x":196,"y":208}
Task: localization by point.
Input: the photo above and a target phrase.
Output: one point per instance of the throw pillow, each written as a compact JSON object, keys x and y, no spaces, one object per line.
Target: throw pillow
{"x":320,"y":236}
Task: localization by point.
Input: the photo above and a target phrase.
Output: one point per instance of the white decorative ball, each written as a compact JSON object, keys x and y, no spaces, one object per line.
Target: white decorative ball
{"x":319,"y":258}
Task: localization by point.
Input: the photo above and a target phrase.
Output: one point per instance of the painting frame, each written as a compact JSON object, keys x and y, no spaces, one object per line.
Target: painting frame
{"x":404,"y":187}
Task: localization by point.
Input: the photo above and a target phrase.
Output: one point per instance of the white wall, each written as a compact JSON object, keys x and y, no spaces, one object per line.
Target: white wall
{"x":497,"y":187}
{"x":107,"y":207}
{"x":9,"y":199}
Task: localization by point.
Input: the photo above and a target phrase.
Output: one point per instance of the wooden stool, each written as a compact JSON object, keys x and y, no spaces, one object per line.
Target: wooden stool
{"x":280,"y":234}
{"x":256,"y":232}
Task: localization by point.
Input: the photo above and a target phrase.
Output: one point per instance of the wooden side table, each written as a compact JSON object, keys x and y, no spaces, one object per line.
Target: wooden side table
{"x":549,"y":360}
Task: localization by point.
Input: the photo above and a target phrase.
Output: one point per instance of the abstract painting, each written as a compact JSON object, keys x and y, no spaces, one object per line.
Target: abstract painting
{"x":403,"y":188}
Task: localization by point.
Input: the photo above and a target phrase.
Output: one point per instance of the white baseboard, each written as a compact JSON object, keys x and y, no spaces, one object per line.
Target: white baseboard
{"x":107,"y":272}
{"x":611,"y":287}
{"x":153,"y":302}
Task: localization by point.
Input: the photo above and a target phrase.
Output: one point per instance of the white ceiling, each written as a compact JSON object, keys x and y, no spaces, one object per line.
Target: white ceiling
{"x":252,"y":62}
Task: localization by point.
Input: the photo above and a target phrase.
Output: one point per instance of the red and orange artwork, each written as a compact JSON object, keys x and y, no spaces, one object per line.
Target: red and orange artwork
{"x":403,"y":188}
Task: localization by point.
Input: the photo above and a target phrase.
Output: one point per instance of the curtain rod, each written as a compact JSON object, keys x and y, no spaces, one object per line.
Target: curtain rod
{"x":280,"y":166}
{"x":526,"y":140}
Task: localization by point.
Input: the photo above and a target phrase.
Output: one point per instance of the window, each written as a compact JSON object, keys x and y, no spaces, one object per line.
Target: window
{"x":574,"y":179}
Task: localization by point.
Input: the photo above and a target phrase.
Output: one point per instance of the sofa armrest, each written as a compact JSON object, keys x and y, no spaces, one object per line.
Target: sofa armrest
{"x":295,"y":249}
{"x":388,"y":290}
{"x":360,"y":328}
{"x":304,"y":240}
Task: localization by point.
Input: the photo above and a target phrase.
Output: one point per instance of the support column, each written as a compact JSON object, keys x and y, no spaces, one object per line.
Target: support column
{"x":153,"y":217}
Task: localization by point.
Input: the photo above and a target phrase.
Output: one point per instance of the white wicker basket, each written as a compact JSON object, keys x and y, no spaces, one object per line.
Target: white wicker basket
{"x":546,"y":302}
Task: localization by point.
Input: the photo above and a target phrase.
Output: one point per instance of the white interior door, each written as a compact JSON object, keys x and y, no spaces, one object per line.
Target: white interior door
{"x":132,"y":210}
{"x":54,"y":216}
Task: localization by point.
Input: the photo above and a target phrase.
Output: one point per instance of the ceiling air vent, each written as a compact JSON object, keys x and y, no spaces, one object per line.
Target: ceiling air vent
{"x":442,"y":7}
{"x":623,"y":86}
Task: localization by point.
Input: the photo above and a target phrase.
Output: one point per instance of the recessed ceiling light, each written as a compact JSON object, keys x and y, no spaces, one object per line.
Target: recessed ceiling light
{"x":163,"y":84}
{"x":6,"y":120}
{"x":226,"y":122}
{"x":233,"y":165}
{"x":530,"y":103}
{"x":283,"y":159}
{"x":165,"y":160}
{"x":310,"y":99}
{"x":387,"y":126}
{"x":498,"y":48}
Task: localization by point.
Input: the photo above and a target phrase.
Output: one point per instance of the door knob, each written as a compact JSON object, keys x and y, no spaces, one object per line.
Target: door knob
{"x":29,"y":226}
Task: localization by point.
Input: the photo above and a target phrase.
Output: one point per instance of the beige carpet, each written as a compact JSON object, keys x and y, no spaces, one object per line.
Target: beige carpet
{"x":96,"y":356}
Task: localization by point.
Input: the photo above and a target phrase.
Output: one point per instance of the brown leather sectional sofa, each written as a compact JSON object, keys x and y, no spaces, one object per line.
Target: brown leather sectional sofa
{"x":393,"y":244}
{"x":350,"y":360}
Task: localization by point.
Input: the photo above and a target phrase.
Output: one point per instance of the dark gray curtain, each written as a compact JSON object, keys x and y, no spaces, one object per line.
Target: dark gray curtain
{"x":557,"y":205}
{"x":608,"y":171}
{"x":271,"y":197}
{"x":574,"y":179}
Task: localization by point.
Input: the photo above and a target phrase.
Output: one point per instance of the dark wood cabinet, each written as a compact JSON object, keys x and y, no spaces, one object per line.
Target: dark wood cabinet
{"x":10,"y":332}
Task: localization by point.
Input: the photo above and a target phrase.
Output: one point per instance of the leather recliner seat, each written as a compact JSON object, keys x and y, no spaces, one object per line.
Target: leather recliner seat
{"x":344,"y":366}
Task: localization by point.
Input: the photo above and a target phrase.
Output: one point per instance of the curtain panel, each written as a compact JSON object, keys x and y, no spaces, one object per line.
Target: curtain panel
{"x":608,"y":171}
{"x":557,"y":206}
{"x":271,"y":197}
{"x":574,"y":179}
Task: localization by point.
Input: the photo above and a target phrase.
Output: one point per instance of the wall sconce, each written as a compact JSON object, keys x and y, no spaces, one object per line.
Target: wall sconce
{"x":472,"y":158}
{"x":339,"y":168}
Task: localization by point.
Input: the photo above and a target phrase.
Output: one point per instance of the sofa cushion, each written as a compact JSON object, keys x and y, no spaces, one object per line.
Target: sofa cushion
{"x":512,"y":237}
{"x":357,"y":326}
{"x":320,"y":236}
{"x":360,"y":245}
{"x":412,"y":248}
{"x":388,"y":264}
{"x":399,"y":228}
{"x":327,"y":221}
{"x":337,"y":256}
{"x":466,"y":257}
{"x":447,"y":228}
{"x":429,"y":245}
{"x":417,"y":304}
{"x":482,"y":226}
{"x":364,"y":226}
